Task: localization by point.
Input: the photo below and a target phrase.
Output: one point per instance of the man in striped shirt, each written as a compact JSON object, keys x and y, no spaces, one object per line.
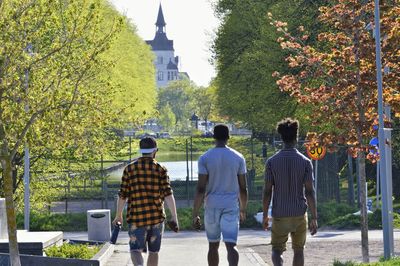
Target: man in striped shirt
{"x":145,"y":186}
{"x":289,"y":179}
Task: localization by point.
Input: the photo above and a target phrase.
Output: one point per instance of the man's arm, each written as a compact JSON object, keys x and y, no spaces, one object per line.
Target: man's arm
{"x":310,"y":196}
{"x":243,"y":196}
{"x":122,"y":197}
{"x":170,"y":200}
{"x":198,"y":199}
{"x":120,"y":208}
{"x":267,"y":195}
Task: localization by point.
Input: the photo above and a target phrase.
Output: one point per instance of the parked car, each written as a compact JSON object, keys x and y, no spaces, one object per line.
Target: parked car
{"x":164,"y":135}
{"x":207,"y":134}
{"x":148,"y":134}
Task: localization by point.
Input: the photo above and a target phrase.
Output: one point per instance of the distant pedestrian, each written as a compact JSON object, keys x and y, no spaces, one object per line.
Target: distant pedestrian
{"x":289,"y":182}
{"x":145,"y":186}
{"x":222,"y":185}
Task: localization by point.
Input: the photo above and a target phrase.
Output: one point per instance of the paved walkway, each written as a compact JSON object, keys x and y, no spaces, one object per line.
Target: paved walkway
{"x":190,"y":248}
{"x":182,"y":249}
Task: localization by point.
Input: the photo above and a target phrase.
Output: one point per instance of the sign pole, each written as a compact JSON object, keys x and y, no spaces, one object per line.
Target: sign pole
{"x":377,"y":184}
{"x":387,"y":212}
{"x":316,"y":181}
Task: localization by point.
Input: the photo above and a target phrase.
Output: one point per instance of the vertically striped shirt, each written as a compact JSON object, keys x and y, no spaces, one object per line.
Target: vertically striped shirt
{"x":288,"y":170}
{"x":145,"y":184}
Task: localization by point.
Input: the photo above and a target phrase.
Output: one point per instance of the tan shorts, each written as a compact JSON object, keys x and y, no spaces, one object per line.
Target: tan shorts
{"x":283,"y":226}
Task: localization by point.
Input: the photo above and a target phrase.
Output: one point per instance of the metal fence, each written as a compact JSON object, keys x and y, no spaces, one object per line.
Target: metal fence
{"x":99,"y":190}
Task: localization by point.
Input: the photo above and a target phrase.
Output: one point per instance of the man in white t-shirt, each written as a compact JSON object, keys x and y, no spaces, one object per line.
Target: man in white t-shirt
{"x":223,"y":188}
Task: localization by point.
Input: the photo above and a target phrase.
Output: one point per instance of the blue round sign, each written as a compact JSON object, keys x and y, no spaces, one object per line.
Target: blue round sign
{"x":374,"y":142}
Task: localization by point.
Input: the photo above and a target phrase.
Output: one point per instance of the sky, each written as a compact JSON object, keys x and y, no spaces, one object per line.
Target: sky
{"x":191,"y":24}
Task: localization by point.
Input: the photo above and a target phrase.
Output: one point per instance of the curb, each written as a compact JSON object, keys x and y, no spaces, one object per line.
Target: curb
{"x":254,"y":258}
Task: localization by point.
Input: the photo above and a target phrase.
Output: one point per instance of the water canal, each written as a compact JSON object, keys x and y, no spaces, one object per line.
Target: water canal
{"x":175,"y":163}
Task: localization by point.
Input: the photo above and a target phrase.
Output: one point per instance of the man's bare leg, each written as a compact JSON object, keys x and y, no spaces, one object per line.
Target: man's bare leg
{"x":152,"y":260}
{"x":298,"y":257}
{"x":233,"y":254}
{"x":213,"y":257}
{"x":277,"y":258}
{"x":137,"y":258}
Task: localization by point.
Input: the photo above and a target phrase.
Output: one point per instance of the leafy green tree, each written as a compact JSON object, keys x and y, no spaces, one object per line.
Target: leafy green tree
{"x":132,"y":74}
{"x":178,"y":95}
{"x":54,"y":94}
{"x":167,"y":118}
{"x":246,"y":54}
{"x":133,"y":70}
{"x":204,"y":103}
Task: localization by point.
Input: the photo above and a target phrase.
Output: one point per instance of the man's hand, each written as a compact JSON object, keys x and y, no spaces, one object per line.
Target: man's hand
{"x":173,"y":225}
{"x":118,"y":219}
{"x":313,"y":226}
{"x":197,"y":223}
{"x":242,"y":215}
{"x":265,"y":224}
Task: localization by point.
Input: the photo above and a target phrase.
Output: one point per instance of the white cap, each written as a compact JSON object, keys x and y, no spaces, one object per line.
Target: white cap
{"x":150,"y":150}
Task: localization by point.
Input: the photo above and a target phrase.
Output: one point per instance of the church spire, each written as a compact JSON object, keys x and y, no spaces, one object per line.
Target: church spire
{"x":160,"y":23}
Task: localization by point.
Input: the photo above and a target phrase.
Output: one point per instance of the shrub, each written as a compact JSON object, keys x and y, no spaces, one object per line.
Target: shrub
{"x":73,"y":251}
{"x":54,"y":221}
{"x":330,"y":211}
{"x":347,"y":263}
{"x":350,"y":221}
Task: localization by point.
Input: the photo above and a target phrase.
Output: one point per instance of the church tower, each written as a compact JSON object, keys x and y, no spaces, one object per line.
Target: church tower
{"x":166,"y":62}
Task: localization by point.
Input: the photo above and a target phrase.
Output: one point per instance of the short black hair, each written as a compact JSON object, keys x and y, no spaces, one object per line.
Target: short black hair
{"x":288,"y":129}
{"x":147,"y":143}
{"x":221,"y":132}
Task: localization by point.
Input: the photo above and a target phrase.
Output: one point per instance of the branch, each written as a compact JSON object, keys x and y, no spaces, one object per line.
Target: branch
{"x":25,"y":131}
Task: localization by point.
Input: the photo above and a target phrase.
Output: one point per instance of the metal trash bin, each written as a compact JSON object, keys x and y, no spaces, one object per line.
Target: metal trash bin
{"x":99,"y":225}
{"x":3,"y":219}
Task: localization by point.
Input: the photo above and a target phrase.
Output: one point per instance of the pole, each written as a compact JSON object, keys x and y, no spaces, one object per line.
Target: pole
{"x":386,"y":199}
{"x":130,"y":148}
{"x":102,"y":181}
{"x":358,"y":182}
{"x":27,"y":189}
{"x":191,"y":158}
{"x":187,"y":173}
{"x":26,"y":161}
{"x":377,"y":184}
{"x":316,"y":181}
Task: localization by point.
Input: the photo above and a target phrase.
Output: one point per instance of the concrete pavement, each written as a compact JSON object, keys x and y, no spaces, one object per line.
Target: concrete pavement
{"x":182,"y":249}
{"x":190,"y":248}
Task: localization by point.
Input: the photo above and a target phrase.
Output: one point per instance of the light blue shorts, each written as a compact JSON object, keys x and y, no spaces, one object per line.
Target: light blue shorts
{"x":222,"y":221}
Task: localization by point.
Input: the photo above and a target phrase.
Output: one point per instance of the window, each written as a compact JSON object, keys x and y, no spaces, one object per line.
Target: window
{"x":160,"y":75}
{"x":169,"y":75}
{"x":160,"y":60}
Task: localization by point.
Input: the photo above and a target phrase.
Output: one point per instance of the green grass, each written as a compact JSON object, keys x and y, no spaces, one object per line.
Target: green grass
{"x":392,"y":262}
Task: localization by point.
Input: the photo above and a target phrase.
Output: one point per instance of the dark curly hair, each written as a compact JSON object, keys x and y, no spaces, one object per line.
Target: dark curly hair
{"x":221,"y":132}
{"x":288,"y":129}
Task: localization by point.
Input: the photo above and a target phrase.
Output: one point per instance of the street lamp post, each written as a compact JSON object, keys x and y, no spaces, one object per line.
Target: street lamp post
{"x":26,"y":154}
{"x":384,"y":152}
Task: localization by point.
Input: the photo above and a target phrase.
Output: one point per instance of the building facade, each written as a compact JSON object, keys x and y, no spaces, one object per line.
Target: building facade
{"x":166,"y":62}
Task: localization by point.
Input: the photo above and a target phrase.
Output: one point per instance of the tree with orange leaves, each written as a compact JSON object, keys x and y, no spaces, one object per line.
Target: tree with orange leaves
{"x":337,"y":79}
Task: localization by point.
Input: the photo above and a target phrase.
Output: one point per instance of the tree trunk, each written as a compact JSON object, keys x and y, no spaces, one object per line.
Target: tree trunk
{"x":350,"y":191}
{"x":337,"y":179}
{"x":10,"y":210}
{"x":363,"y":209}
